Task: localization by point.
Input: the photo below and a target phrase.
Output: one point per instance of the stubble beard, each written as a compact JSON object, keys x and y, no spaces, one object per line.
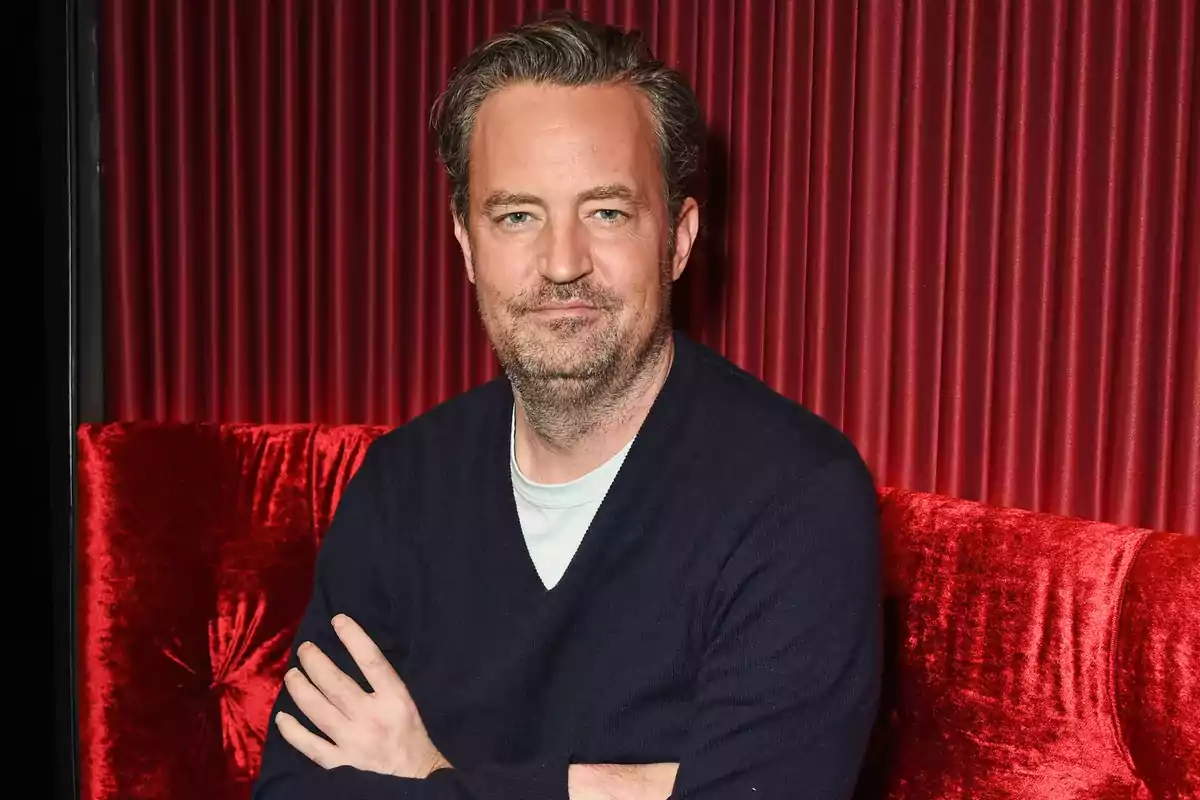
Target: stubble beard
{"x":575,"y":374}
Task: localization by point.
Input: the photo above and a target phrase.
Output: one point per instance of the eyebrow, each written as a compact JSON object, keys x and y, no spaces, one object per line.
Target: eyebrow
{"x":608,"y":191}
{"x":497,"y":200}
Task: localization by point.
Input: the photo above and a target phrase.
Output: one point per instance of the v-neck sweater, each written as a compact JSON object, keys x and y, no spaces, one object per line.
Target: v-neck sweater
{"x":555,"y":516}
{"x":722,"y":610}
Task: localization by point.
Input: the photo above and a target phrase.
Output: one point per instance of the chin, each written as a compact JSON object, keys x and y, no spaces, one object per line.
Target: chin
{"x":574,"y":357}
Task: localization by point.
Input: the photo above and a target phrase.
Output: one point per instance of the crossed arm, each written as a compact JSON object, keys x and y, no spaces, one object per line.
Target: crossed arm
{"x":375,"y":745}
{"x":381,"y":731}
{"x":785,"y":695}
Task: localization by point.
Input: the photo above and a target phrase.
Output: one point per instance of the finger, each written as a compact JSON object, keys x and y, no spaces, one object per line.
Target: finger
{"x":336,"y":685}
{"x":318,"y":751}
{"x":370,"y":659}
{"x":314,"y":705}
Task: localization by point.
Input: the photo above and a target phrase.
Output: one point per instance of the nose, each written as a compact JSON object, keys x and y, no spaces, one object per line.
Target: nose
{"x":565,"y":257}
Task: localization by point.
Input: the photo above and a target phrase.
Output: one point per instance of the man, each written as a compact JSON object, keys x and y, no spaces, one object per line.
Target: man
{"x":626,"y":570}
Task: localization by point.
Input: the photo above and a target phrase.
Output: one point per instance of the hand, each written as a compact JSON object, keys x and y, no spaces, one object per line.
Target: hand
{"x":376,"y":732}
{"x":621,"y":782}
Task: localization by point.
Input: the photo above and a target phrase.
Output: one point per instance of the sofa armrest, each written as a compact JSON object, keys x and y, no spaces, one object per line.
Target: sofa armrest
{"x":1158,"y":665}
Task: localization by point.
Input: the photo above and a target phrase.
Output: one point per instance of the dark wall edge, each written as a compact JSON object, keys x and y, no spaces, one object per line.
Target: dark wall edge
{"x":71,"y":283}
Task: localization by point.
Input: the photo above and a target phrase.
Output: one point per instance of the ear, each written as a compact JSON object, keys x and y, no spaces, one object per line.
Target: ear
{"x":686,"y":228}
{"x":464,"y":242}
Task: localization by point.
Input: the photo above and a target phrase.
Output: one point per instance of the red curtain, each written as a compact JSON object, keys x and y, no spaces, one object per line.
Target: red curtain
{"x":967,"y":233}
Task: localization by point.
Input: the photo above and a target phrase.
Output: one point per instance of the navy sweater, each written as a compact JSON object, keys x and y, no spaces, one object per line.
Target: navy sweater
{"x":722,"y":611}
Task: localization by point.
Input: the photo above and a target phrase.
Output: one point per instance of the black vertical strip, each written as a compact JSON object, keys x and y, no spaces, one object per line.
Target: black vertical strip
{"x":58,"y":210}
{"x":89,"y":295}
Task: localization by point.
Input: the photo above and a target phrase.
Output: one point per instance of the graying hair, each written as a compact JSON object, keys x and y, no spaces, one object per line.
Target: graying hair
{"x":564,"y":50}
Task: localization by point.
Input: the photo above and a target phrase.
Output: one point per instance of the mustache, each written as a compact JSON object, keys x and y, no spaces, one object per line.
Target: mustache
{"x":548,"y":294}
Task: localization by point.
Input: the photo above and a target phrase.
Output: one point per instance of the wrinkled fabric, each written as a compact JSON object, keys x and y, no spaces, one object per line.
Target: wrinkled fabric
{"x":1158,"y":666}
{"x":1028,"y":655}
{"x":196,"y":549}
{"x":965,"y":233}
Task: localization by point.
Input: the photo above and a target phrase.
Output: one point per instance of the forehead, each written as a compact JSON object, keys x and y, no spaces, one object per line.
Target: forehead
{"x":539,"y":138}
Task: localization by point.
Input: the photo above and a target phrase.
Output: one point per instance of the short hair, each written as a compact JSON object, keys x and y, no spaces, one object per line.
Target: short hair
{"x":563,"y":50}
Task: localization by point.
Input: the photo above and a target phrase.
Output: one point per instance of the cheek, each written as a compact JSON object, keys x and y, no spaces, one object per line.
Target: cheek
{"x":500,"y":273}
{"x":633,"y":269}
{"x":493,"y":297}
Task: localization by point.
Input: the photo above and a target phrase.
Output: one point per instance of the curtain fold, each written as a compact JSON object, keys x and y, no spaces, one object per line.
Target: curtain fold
{"x":965,"y":232}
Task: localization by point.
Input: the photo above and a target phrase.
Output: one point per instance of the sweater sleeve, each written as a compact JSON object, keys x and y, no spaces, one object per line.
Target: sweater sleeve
{"x":347,"y":581}
{"x":788,"y":689}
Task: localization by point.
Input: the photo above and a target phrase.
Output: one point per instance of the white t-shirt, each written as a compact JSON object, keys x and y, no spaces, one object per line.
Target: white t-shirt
{"x":555,"y":516}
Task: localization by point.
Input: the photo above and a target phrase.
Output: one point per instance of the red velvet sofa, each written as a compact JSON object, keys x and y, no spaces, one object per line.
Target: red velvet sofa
{"x":1029,"y":655}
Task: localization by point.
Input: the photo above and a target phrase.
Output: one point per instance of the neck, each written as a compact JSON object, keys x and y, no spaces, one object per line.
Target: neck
{"x":584,"y":438}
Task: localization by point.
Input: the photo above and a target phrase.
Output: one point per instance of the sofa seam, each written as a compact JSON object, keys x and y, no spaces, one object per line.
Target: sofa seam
{"x":1114,"y":635}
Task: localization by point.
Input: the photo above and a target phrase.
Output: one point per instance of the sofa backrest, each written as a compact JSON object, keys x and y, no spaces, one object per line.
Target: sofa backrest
{"x":1035,"y":656}
{"x":196,"y":546}
{"x":1028,"y":655}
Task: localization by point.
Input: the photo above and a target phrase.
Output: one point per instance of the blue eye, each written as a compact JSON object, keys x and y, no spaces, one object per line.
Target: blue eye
{"x":515,"y":218}
{"x":610,"y":214}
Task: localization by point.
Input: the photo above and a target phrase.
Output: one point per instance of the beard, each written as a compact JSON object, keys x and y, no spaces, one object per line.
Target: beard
{"x":571,"y":372}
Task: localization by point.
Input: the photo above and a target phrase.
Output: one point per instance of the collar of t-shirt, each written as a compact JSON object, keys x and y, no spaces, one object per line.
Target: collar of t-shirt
{"x":584,"y":490}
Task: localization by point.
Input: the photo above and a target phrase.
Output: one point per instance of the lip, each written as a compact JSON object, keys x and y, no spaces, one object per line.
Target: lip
{"x":564,"y":308}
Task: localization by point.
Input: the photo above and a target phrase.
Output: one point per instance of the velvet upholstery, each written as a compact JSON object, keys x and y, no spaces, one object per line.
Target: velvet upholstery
{"x":1158,"y":665}
{"x":196,"y":549}
{"x":1028,"y":655}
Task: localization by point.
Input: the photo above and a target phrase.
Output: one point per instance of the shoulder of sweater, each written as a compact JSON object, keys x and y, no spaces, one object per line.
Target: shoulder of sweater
{"x":462,"y":418}
{"x":745,"y":416}
{"x":755,"y":449}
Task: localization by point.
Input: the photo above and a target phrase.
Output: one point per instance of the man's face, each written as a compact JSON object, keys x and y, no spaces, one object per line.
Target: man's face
{"x":567,"y":234}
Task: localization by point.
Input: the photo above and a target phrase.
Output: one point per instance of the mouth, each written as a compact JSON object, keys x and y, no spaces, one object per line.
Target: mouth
{"x":564,"y":309}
